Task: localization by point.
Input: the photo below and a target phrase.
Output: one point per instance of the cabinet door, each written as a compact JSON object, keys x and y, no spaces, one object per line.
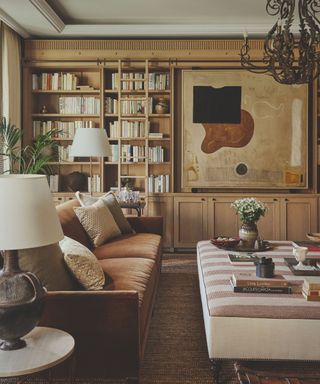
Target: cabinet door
{"x":269,"y":225}
{"x":163,"y":206}
{"x":222,"y":218}
{"x":298,"y":216}
{"x":190,"y":221}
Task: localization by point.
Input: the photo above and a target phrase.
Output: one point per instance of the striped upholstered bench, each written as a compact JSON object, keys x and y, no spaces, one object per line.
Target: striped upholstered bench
{"x":254,"y":326}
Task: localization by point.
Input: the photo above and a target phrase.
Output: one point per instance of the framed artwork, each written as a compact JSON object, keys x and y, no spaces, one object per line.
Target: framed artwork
{"x":243,"y":130}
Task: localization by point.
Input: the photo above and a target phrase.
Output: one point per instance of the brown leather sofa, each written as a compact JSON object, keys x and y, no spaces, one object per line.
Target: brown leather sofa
{"x":110,"y":327}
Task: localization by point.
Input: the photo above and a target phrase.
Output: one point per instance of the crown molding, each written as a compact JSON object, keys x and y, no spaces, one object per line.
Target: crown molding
{"x":13,"y":24}
{"x":49,"y":14}
{"x":165,"y":30}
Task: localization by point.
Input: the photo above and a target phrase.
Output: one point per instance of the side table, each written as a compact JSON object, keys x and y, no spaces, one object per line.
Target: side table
{"x":138,"y":206}
{"x":46,"y":348}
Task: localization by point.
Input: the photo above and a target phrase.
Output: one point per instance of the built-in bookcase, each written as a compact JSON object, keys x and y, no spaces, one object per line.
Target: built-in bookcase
{"x":132,"y":101}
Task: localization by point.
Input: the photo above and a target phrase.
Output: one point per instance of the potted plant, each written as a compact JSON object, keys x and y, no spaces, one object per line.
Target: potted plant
{"x":30,"y":159}
{"x":250,"y":210}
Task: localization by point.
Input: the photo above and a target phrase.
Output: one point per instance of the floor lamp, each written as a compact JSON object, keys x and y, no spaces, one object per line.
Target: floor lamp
{"x":89,"y":142}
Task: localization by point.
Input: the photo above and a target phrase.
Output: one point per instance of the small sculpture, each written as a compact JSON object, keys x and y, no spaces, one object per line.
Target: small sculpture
{"x":300,"y":254}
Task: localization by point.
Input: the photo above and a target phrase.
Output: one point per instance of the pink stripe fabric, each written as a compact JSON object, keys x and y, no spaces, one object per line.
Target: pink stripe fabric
{"x":216,"y":270}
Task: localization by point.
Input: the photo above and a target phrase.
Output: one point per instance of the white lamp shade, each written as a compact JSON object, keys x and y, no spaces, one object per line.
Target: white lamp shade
{"x":89,"y":142}
{"x":28,"y":217}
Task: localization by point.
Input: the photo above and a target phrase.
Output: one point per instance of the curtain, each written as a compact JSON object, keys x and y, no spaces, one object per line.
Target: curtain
{"x":11,"y":78}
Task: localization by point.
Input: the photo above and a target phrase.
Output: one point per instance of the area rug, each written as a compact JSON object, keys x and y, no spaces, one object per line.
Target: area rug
{"x":176,"y":350}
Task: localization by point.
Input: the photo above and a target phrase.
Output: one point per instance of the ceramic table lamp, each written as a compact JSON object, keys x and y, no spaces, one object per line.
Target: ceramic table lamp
{"x":89,"y":142}
{"x":28,"y":220}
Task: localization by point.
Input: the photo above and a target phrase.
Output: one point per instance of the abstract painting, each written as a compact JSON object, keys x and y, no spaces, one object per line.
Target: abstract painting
{"x":243,"y":130}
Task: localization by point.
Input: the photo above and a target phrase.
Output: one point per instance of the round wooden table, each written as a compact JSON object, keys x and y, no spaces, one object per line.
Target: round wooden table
{"x":46,"y":348}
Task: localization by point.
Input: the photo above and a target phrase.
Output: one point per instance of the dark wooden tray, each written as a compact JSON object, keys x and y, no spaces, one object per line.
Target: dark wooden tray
{"x":291,"y":261}
{"x":266,"y":246}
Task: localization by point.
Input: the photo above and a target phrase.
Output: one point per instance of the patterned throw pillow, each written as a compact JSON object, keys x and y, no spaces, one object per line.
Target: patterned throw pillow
{"x":83,"y":264}
{"x":98,"y":222}
{"x":112,"y":203}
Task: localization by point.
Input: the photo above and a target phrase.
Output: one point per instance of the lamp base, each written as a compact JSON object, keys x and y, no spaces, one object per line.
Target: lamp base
{"x":11,"y":345}
{"x":21,"y":301}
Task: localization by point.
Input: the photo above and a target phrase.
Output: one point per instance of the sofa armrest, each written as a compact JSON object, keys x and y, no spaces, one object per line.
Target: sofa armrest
{"x":147,"y":224}
{"x":104,"y":324}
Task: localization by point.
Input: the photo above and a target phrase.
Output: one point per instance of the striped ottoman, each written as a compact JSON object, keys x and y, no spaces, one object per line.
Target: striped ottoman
{"x":255,"y":326}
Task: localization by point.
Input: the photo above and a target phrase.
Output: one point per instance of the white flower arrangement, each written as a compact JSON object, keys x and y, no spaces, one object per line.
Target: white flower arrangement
{"x":249,"y":209}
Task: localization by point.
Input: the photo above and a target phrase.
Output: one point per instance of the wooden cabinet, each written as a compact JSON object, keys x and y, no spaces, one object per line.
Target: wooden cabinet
{"x":298,"y":216}
{"x":190,"y":221}
{"x":203,"y":217}
{"x":222,"y":219}
{"x":163,"y":206}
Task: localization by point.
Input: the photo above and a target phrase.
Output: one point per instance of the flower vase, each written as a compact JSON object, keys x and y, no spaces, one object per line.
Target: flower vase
{"x":248,"y":234}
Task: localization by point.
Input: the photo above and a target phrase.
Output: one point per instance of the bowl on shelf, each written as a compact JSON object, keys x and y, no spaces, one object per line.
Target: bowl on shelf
{"x":224,"y":241}
{"x":314,"y":236}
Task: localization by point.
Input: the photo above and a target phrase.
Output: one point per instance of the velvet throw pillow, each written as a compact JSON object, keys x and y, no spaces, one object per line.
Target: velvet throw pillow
{"x":98,"y":222}
{"x":48,"y":265}
{"x":111,"y":202}
{"x":83,"y":264}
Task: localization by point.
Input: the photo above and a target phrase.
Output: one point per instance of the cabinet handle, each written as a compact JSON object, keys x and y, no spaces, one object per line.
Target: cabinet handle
{"x":203,"y":199}
{"x":213,"y":199}
{"x":275,"y":199}
{"x":286,"y":199}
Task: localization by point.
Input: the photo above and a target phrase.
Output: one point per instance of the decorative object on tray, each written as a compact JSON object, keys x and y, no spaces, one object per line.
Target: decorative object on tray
{"x":250,"y":210}
{"x":224,"y":241}
{"x":300,"y":254}
{"x":311,"y":288}
{"x":264,"y":267}
{"x":247,"y":282}
{"x":312,"y":266}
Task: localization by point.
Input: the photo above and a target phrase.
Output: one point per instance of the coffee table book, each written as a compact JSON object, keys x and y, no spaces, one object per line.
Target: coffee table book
{"x":249,"y":279}
{"x":260,"y":289}
{"x":242,"y":258}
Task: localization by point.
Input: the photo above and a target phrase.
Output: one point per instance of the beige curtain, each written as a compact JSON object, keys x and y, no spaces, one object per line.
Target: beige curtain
{"x":11,"y":77}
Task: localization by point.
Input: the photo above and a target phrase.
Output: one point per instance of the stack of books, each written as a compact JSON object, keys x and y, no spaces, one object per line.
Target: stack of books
{"x":311,"y":288}
{"x":248,"y":282}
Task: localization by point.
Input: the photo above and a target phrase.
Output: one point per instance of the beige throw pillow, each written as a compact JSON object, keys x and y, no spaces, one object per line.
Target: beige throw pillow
{"x":111,"y":202}
{"x":98,"y":222}
{"x":83,"y":264}
{"x":48,"y":265}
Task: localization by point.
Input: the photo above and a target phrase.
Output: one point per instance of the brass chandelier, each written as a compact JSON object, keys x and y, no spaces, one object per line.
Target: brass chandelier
{"x":289,"y":58}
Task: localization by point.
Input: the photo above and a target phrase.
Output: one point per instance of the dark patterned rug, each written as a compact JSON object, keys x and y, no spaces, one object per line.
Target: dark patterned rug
{"x":176,"y":350}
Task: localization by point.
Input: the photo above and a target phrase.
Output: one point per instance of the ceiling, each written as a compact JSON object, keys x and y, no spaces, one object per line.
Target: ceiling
{"x":135,"y":18}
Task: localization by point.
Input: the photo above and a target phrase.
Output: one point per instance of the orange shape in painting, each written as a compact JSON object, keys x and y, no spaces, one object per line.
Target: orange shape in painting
{"x":220,"y":135}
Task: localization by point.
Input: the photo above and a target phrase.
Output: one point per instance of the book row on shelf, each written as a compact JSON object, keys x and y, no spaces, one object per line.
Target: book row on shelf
{"x":79,"y":105}
{"x":135,"y":105}
{"x":64,"y":153}
{"x":129,"y":129}
{"x":54,"y":182}
{"x":132,"y":153}
{"x":159,"y":184}
{"x":156,"y":81}
{"x":66,"y":129}
{"x":137,"y":153}
{"x":54,"y":81}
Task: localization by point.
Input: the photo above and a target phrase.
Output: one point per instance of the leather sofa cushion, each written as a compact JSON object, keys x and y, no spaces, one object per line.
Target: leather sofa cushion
{"x":71,"y":225}
{"x":133,"y":274}
{"x":140,"y":245}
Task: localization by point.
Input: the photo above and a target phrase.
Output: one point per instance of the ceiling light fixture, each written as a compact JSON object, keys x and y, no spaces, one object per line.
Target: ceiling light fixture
{"x":290,"y":58}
